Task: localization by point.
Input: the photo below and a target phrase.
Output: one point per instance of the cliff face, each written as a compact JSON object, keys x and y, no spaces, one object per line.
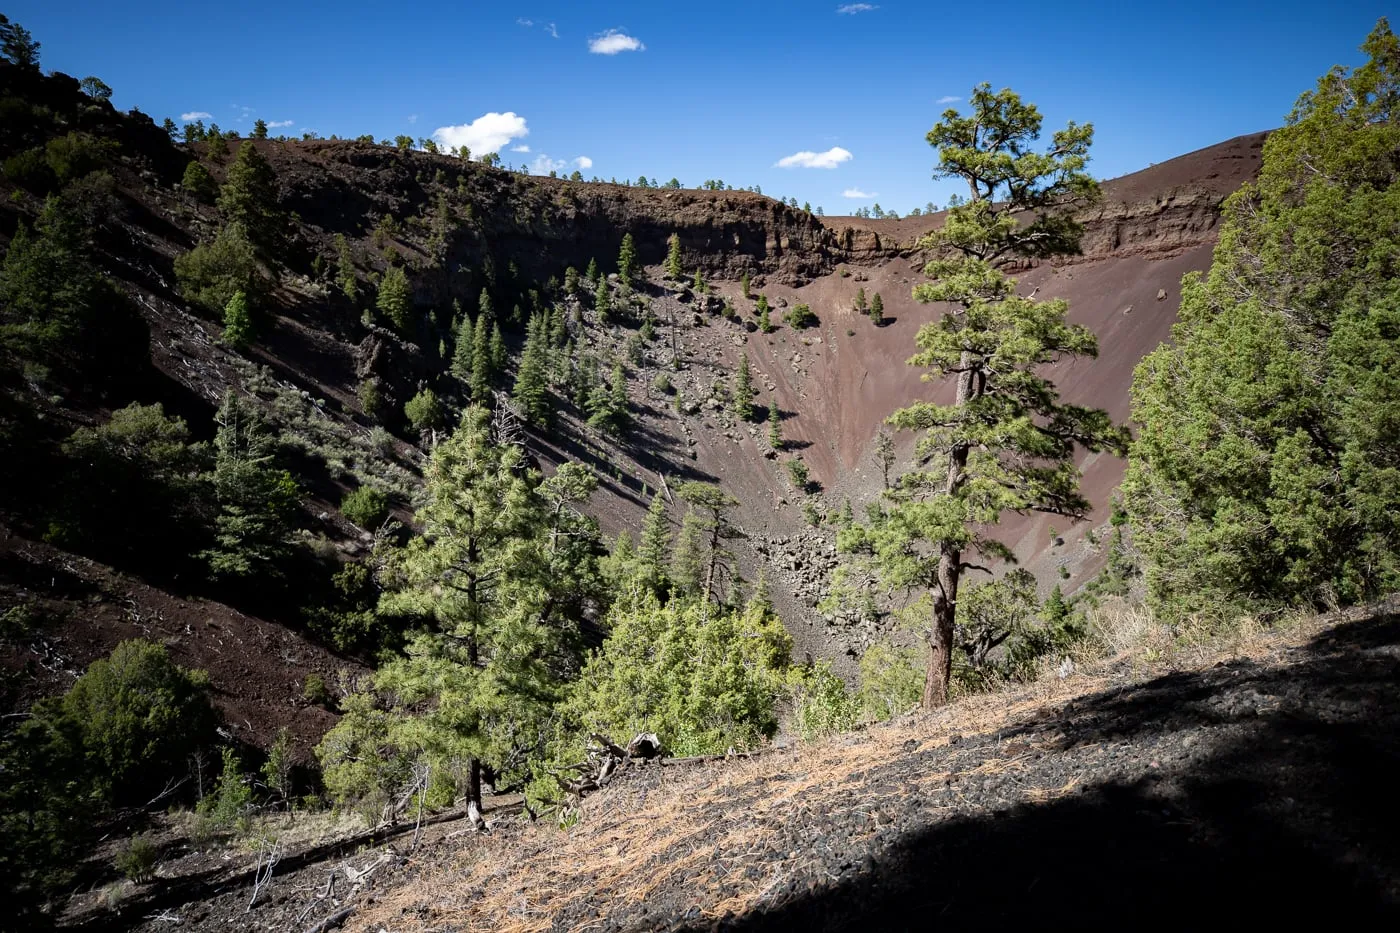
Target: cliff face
{"x":545,"y":225}
{"x":1162,"y":210}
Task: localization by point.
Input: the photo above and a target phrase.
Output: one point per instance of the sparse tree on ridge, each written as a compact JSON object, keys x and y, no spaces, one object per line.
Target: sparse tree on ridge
{"x":1006,"y":430}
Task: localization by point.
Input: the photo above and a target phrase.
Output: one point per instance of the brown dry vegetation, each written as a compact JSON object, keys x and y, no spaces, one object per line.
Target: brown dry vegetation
{"x":759,"y":842}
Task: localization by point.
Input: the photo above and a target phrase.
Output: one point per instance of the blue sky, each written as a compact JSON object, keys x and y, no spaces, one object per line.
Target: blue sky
{"x":713,"y":90}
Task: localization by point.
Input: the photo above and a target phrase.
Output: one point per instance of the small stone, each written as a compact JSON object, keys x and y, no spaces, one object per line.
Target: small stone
{"x":1161,"y":294}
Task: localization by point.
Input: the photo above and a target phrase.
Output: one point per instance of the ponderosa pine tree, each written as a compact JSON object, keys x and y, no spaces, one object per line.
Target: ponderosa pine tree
{"x":238,"y":322}
{"x":198,"y":182}
{"x":654,"y":546}
{"x":249,"y":198}
{"x":1267,"y":471}
{"x":395,"y":300}
{"x":711,"y":506}
{"x":483,"y":372}
{"x":877,"y":309}
{"x":260,"y":129}
{"x":500,"y":576}
{"x":1006,"y":442}
{"x":744,"y":283}
{"x":602,"y":301}
{"x":744,"y":392}
{"x":592,"y":273}
{"x":627,"y":260}
{"x":345,"y":268}
{"x":256,"y":499}
{"x":775,"y":428}
{"x":463,"y":348}
{"x":531,"y":389}
{"x":673,"y":257}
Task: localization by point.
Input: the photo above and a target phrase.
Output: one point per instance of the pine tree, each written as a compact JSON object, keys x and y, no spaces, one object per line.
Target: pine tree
{"x":602,"y":301}
{"x":673,"y":257}
{"x":710,"y":506}
{"x":483,"y":373}
{"x":499,"y":356}
{"x":744,"y":391}
{"x":463,"y":350}
{"x":395,"y":300}
{"x":592,"y":272}
{"x":884,"y":454}
{"x":531,"y":390}
{"x":688,"y":557}
{"x":499,"y":579}
{"x":765,"y":325}
{"x":860,"y":300}
{"x":1265,"y":472}
{"x":256,"y":500}
{"x":744,"y":283}
{"x":198,"y":182}
{"x":627,"y":260}
{"x":654,"y":546}
{"x":260,"y":129}
{"x":1006,"y":430}
{"x":775,"y":430}
{"x":571,"y":281}
{"x":345,"y":268}
{"x":877,"y":309}
{"x":249,"y":198}
{"x":238,"y":322}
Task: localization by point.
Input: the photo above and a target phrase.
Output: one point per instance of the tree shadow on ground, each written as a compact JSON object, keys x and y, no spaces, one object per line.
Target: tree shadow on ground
{"x":1292,"y":814}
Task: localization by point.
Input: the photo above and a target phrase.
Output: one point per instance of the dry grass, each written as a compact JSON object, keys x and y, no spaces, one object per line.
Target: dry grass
{"x":699,"y":829}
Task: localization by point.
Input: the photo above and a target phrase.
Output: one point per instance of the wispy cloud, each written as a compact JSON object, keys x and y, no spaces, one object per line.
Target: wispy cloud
{"x":520,"y":148}
{"x":412,"y":118}
{"x":196,"y":115}
{"x":613,"y":41}
{"x":553,"y":32}
{"x":487,"y":133}
{"x":805,"y":159}
{"x":851,"y":9}
{"x":278,"y":124}
{"x":949,"y":99}
{"x":858,"y":194}
{"x":527,"y":23}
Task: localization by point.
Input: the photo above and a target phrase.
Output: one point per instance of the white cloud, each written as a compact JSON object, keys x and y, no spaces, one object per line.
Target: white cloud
{"x":412,"y":118}
{"x":950,"y":99}
{"x":852,"y":9}
{"x":806,"y":159}
{"x":614,"y":41}
{"x":196,"y":115}
{"x":858,"y":194}
{"x":487,"y":133}
{"x":520,"y":148}
{"x":278,"y":124}
{"x":553,"y":32}
{"x":543,"y":164}
{"x":527,"y":23}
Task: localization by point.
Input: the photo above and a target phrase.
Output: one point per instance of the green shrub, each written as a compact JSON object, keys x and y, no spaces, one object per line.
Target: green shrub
{"x":212,"y":273}
{"x":366,"y":507}
{"x":702,"y":679}
{"x":29,"y":169}
{"x":229,"y":806}
{"x":799,"y":474}
{"x":821,"y":705}
{"x":891,"y":680}
{"x":424,"y":411}
{"x":199,"y":183}
{"x":800,"y":316}
{"x":137,"y":716}
{"x":314,"y":690}
{"x":137,"y":859}
{"x":662,"y":384}
{"x":371,"y":398}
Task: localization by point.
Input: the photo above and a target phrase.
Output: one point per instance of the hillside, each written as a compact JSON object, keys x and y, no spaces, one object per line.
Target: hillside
{"x":834,"y":383}
{"x":1243,"y":778}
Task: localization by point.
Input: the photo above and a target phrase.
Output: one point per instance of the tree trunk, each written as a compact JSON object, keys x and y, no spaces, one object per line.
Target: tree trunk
{"x":945,"y":597}
{"x":474,"y":783}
